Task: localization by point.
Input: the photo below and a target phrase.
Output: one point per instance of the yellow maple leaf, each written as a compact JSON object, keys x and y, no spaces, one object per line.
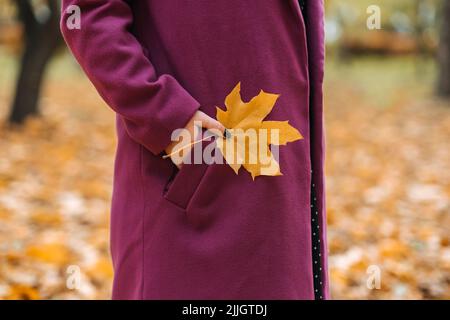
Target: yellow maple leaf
{"x":248,"y":137}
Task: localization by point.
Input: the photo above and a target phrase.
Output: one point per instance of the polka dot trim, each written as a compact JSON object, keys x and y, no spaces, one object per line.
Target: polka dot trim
{"x":316,"y":254}
{"x":302,"y":4}
{"x":315,"y":222}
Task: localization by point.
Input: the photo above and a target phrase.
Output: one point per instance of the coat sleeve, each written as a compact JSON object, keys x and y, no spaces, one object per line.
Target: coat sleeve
{"x":151,"y":105}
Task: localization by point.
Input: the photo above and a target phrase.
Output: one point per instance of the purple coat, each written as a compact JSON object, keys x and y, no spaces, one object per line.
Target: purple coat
{"x":205,"y":232}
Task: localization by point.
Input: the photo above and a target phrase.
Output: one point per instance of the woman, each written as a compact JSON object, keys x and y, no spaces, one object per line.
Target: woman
{"x":203,"y":232}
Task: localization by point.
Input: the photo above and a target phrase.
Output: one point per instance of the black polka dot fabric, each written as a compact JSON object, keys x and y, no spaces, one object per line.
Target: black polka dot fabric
{"x":302,"y":4}
{"x":316,"y":254}
{"x":315,"y":222}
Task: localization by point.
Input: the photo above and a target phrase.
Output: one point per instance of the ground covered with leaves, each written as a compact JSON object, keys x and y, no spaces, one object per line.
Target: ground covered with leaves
{"x":388,"y":185}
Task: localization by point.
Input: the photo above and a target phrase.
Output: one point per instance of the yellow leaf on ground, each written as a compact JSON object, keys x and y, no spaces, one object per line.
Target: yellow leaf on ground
{"x":101,"y":269}
{"x":46,"y":218}
{"x":53,"y":253}
{"x":22,"y":292}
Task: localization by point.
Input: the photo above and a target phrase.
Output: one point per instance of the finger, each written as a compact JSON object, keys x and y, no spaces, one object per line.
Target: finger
{"x":211,"y":123}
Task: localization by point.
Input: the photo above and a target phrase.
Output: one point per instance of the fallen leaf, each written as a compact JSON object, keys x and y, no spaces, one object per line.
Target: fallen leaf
{"x":101,"y":270}
{"x":22,"y":292}
{"x":53,"y":253}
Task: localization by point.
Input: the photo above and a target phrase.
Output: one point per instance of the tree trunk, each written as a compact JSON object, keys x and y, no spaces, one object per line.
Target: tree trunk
{"x":443,"y":86}
{"x":41,"y":40}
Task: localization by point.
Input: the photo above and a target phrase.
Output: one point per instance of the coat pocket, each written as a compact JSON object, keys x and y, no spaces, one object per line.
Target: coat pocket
{"x":183,"y":184}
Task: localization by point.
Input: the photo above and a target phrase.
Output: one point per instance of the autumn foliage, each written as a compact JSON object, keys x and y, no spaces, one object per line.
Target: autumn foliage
{"x":388,"y":185}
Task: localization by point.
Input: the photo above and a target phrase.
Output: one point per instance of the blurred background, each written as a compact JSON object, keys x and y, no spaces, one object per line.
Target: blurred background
{"x":388,"y":130}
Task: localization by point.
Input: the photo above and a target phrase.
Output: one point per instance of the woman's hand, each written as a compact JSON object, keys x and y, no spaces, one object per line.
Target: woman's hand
{"x":198,"y":121}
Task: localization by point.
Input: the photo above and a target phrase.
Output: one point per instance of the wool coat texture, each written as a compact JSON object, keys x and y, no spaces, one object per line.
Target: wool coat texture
{"x":204,"y":232}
